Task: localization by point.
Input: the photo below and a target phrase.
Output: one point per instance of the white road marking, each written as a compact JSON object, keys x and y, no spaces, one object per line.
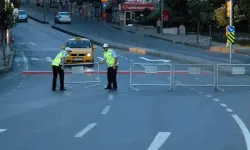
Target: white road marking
{"x":229,"y":110}
{"x":244,"y":130}
{"x":100,"y":58}
{"x":85,"y":130}
{"x":34,"y":58}
{"x":209,"y":96}
{"x":162,"y":60}
{"x":26,"y":67}
{"x":111,"y":97}
{"x":32,"y":43}
{"x":160,"y":138}
{"x":11,"y":76}
{"x":126,"y":58}
{"x":196,"y":78}
{"x":215,"y":99}
{"x":49,"y":59}
{"x":200,"y":92}
{"x":223,"y":105}
{"x":131,"y":60}
{"x":2,"y":130}
{"x":106,"y":110}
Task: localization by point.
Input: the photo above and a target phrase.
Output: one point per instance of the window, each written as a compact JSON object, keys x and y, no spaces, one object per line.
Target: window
{"x":64,"y":14}
{"x":78,"y":44}
{"x":22,"y":12}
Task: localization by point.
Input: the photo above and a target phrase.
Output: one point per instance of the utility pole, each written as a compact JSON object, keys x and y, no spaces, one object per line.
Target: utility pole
{"x":231,"y":29}
{"x":44,"y":13}
{"x":162,"y":7}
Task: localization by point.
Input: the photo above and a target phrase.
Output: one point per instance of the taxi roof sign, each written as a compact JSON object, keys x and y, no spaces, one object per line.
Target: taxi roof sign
{"x":78,"y":38}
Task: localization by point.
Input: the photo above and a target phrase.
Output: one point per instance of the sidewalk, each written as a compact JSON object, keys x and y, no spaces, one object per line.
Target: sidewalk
{"x":190,"y":40}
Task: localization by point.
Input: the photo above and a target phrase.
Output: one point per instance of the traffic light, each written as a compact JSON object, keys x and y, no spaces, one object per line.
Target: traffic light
{"x":228,"y":8}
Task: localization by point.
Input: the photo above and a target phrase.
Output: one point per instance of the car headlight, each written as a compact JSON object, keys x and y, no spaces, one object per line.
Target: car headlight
{"x":88,"y":54}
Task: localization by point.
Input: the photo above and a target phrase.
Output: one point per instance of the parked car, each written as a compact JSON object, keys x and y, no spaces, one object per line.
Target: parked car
{"x":63,"y":17}
{"x":22,"y":16}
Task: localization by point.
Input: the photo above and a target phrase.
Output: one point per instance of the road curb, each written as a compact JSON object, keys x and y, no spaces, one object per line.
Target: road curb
{"x":165,"y":55}
{"x":38,"y":20}
{"x":93,"y":40}
{"x":7,"y":68}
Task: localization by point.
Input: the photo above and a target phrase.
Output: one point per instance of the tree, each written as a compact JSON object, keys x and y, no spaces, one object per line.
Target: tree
{"x":7,"y":21}
{"x":16,"y":3}
{"x":220,"y":15}
{"x":244,"y":6}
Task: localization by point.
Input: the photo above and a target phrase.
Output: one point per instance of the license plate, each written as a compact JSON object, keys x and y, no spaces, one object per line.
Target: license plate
{"x":77,"y":59}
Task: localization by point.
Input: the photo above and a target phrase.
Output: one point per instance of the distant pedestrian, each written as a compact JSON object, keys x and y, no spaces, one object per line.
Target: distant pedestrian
{"x":158,"y":26}
{"x":57,"y":67}
{"x":111,"y":59}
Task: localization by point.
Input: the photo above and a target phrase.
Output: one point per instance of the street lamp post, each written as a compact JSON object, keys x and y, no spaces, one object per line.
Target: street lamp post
{"x":162,"y":17}
{"x":44,"y":13}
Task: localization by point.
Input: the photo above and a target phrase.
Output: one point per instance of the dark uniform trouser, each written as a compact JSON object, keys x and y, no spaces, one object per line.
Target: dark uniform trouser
{"x":112,"y":77}
{"x":60,"y":71}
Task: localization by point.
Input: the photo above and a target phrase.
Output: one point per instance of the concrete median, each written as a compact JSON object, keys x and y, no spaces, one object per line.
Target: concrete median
{"x":166,"y":55}
{"x":38,"y":20}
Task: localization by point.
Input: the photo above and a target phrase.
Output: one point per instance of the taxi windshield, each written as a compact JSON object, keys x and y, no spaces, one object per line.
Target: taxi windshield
{"x":78,"y":44}
{"x":22,"y":13}
{"x":64,"y":13}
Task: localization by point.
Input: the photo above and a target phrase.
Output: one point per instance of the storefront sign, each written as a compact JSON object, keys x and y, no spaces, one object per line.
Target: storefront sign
{"x":137,"y":7}
{"x":166,"y":14}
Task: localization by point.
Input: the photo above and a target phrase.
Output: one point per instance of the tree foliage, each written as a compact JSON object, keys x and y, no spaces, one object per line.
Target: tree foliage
{"x":201,"y":10}
{"x":221,"y":16}
{"x":79,"y":2}
{"x":7,"y":17}
{"x":244,"y":6}
{"x":16,"y":3}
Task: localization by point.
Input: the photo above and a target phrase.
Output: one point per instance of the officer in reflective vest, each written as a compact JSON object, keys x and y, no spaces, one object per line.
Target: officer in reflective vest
{"x":57,"y":65}
{"x":111,"y":59}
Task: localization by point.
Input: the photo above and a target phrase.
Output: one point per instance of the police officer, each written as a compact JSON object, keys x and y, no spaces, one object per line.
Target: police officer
{"x":57,"y":67}
{"x":111,"y":59}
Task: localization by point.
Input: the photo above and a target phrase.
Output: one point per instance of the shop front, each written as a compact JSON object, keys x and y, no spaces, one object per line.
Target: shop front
{"x":130,"y":12}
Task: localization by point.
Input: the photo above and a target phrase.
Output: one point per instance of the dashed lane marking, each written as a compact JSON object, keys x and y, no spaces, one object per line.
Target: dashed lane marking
{"x":209,"y":96}
{"x":2,"y":130}
{"x":85,"y":130}
{"x":223,"y":105}
{"x":215,"y":99}
{"x":200,"y":92}
{"x":106,"y":110}
{"x":111,"y":97}
{"x":244,"y":130}
{"x":160,"y":138}
{"x":229,"y":110}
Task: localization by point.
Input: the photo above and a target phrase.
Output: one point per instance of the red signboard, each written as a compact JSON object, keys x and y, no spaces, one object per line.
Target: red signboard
{"x":137,"y":7}
{"x":166,"y":15}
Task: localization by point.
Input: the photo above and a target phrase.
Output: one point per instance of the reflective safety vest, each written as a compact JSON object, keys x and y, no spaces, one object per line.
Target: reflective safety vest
{"x":110,"y":59}
{"x":57,"y":61}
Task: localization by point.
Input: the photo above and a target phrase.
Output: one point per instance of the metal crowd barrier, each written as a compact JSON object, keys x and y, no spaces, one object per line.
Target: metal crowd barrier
{"x":150,"y":68}
{"x":80,"y":68}
{"x":232,"y":69}
{"x":195,"y":70}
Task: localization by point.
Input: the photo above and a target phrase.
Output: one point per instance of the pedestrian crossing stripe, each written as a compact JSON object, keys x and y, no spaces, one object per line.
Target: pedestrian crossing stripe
{"x":231,"y":37}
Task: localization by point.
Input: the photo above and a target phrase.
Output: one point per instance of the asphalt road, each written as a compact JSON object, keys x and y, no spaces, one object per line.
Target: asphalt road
{"x":100,"y":31}
{"x":34,"y":117}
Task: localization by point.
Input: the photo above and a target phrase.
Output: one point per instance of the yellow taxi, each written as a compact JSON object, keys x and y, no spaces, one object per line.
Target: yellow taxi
{"x":82,"y":51}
